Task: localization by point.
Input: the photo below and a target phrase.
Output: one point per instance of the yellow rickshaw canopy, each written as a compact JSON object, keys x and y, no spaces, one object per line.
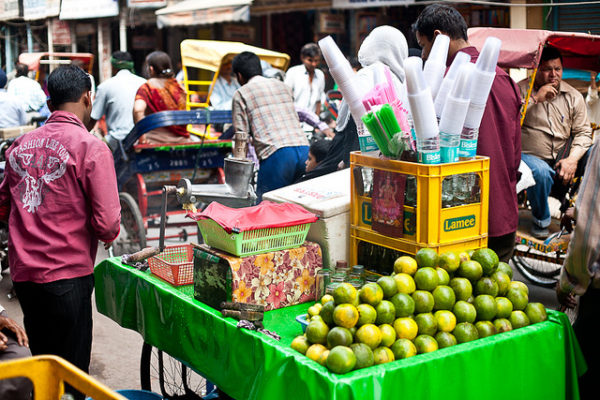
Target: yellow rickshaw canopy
{"x":210,"y":54}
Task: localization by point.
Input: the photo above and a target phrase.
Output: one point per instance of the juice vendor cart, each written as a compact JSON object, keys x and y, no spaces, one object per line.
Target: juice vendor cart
{"x":540,"y":361}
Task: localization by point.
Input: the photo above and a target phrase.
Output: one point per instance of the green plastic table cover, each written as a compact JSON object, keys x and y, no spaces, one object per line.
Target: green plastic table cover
{"x":540,"y":361}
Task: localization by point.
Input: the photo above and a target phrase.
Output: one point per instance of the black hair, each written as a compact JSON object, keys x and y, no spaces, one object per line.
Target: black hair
{"x":122,"y":56}
{"x":319,"y":149}
{"x":67,"y":83}
{"x":550,"y":53}
{"x":354,"y":63}
{"x":246,"y":64}
{"x":161,"y":63}
{"x":310,"y":50}
{"x":22,"y":69}
{"x":443,"y":18}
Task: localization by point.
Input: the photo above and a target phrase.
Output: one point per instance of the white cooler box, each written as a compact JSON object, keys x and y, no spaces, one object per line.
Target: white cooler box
{"x":327,"y":196}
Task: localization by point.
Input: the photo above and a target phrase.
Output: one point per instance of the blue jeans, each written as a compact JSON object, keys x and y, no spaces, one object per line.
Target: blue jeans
{"x":538,"y":194}
{"x":280,"y":169}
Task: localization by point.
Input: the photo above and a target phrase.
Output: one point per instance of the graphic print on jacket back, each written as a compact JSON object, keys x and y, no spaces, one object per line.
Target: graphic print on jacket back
{"x":38,"y":162}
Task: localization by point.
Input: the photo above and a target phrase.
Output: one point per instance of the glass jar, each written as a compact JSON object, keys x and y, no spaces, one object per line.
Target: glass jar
{"x":321,"y":281}
{"x":357,"y":276}
{"x":336,"y":279}
{"x":342,"y":267}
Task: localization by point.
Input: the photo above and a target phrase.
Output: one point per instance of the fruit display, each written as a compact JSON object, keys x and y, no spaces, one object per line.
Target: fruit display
{"x":430,"y":302}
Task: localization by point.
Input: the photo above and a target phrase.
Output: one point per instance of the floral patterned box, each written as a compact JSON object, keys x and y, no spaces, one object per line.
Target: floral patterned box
{"x":276,"y":279}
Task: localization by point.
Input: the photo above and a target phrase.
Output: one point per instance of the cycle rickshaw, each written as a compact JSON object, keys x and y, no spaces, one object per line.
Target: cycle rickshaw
{"x":143,"y":169}
{"x":540,"y":261}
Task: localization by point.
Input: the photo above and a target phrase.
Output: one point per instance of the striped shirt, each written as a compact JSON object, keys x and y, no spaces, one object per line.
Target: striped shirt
{"x":584,"y":246}
{"x":264,"y":109}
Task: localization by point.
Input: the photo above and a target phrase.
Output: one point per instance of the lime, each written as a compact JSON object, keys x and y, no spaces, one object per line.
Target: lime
{"x":315,"y":309}
{"x":425,"y":344}
{"x":443,"y":298}
{"x":449,"y":261}
{"x":485,"y":328}
{"x":502,"y":325}
{"x":404,"y":305}
{"x":345,"y":315}
{"x":424,"y":301}
{"x":464,"y":256}
{"x":404,"y":283}
{"x":388,"y":285}
{"x":406,"y":328}
{"x":445,"y":339}
{"x":314,"y":352}
{"x":426,"y":258}
{"x":536,"y":312}
{"x":327,"y":312}
{"x":485,"y":305}
{"x":518,"y":319}
{"x":518,"y":285}
{"x":323,"y":358}
{"x":316,"y":332}
{"x":503,"y":281}
{"x":504,"y":267}
{"x":426,"y":278}
{"x":388,"y":335}
{"x":446,"y":320}
{"x":486,"y":285}
{"x":366,"y":314}
{"x":371,"y":293}
{"x":443,"y":276}
{"x":518,"y":298}
{"x":368,"y":334}
{"x":503,"y":307}
{"x":427,"y":324}
{"x":386,"y":312}
{"x":406,"y":265}
{"x":364,"y":355}
{"x":488,"y":260}
{"x":465,"y":332}
{"x":403,"y":348}
{"x":326,"y":299}
{"x":341,"y":359}
{"x":469,"y":269}
{"x":462,"y":288}
{"x":301,"y":344}
{"x":345,"y":293}
{"x":339,"y":336}
{"x":383,"y":355}
{"x":464,"y":312}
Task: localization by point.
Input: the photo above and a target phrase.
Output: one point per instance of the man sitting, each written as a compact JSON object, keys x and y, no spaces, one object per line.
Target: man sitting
{"x":555,"y":137}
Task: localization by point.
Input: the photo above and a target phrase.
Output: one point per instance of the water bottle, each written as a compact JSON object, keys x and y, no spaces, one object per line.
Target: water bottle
{"x":429,"y":150}
{"x":468,"y":143}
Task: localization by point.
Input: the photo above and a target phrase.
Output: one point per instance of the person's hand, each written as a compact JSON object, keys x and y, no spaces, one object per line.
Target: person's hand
{"x":107,"y":245}
{"x":567,"y":300}
{"x":593,"y":76}
{"x":546,"y":93}
{"x":566,"y":169}
{"x":329,"y":132}
{"x":567,"y":219}
{"x":8,"y":323}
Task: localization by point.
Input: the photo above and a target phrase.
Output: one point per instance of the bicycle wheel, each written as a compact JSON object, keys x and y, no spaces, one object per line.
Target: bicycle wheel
{"x":161,"y":373}
{"x":539,"y":268}
{"x":132,"y":237}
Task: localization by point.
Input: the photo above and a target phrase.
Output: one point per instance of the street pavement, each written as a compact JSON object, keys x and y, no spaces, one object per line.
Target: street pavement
{"x":116,"y":350}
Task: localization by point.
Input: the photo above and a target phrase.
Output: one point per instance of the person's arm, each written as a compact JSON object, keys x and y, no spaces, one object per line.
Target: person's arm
{"x":7,"y":323}
{"x":99,"y":182}
{"x":39,"y":96}
{"x":592,"y":95}
{"x":139,"y":110}
{"x":320,"y":90}
{"x":239,"y":115}
{"x":313,"y":120}
{"x":576,"y":275}
{"x":99,"y":106}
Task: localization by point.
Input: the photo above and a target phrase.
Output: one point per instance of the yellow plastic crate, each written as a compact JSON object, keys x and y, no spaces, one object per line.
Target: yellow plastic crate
{"x":49,"y":374}
{"x":427,"y":224}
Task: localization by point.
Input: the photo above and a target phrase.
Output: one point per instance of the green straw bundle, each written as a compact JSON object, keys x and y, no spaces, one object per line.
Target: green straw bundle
{"x":384,"y":127}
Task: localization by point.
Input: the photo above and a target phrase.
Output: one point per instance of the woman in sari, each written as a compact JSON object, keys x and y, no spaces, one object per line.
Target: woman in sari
{"x":161,"y":92}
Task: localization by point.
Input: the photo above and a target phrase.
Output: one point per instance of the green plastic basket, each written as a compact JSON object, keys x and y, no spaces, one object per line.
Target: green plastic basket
{"x":252,"y":242}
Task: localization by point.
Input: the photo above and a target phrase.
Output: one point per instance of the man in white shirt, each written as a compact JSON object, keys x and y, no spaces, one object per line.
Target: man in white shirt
{"x":307,"y":81}
{"x":13,"y":111}
{"x":115,"y":98}
{"x":27,"y":90}
{"x":225,"y":87}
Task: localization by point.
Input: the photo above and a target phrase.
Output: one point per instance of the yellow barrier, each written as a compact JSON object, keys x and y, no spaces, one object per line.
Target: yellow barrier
{"x":48,"y":375}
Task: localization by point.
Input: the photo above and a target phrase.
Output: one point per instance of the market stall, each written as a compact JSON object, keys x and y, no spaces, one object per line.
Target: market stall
{"x":540,"y":361}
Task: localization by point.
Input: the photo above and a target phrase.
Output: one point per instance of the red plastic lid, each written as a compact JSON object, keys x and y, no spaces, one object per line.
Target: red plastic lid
{"x":265,"y":215}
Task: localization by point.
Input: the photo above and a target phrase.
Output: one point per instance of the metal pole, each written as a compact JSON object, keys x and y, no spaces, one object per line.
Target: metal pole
{"x":8,"y":50}
{"x":29,"y":39}
{"x":123,"y":29}
{"x":73,"y":33}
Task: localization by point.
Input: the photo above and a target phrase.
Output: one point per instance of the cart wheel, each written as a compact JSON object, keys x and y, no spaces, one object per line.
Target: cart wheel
{"x":161,"y":373}
{"x":132,"y":237}
{"x":539,"y":268}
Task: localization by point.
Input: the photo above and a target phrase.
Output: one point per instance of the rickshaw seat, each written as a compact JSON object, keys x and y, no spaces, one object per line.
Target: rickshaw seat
{"x":168,"y":118}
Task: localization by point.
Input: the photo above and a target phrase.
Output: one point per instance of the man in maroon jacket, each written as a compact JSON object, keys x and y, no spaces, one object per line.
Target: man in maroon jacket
{"x":499,"y":133}
{"x":60,"y":197}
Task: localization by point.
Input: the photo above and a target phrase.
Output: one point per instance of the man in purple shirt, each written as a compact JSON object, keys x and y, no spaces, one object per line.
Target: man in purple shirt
{"x":499,"y":133}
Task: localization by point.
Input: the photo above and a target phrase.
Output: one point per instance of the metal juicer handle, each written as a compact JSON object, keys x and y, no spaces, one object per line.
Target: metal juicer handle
{"x":166,"y":190}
